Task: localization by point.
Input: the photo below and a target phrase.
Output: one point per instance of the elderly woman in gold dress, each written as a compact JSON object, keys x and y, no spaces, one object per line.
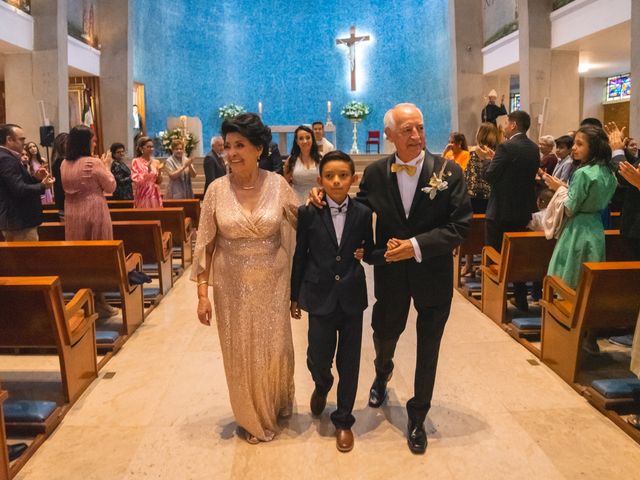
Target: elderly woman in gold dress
{"x":240,"y":252}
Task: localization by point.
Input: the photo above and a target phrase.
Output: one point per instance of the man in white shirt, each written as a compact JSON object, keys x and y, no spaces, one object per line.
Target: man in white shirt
{"x":423,"y":213}
{"x":324,"y":145}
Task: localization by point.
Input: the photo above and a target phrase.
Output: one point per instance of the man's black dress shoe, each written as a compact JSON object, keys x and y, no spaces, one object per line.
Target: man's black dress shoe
{"x":378,"y":392}
{"x":416,"y":437}
{"x":16,"y":450}
{"x":317,"y":403}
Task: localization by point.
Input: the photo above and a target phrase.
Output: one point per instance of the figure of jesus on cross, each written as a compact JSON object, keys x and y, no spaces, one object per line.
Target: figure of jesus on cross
{"x":350,"y":42}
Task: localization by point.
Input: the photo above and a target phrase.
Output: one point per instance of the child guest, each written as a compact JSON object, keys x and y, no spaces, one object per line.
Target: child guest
{"x":328,"y":281}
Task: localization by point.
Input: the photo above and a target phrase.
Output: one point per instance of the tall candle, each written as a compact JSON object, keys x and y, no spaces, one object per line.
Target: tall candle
{"x":329,"y":107}
{"x":260,"y":107}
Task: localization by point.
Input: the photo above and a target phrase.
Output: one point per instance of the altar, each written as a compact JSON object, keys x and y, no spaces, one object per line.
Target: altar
{"x":283,"y":130}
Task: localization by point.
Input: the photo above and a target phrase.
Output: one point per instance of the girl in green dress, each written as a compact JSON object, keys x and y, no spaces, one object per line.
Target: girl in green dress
{"x":591,"y":188}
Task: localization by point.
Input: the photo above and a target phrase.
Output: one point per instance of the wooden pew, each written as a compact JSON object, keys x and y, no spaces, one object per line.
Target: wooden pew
{"x":4,"y":456}
{"x":172,"y":219}
{"x":607,"y":297}
{"x":98,"y":265}
{"x":471,"y":246}
{"x":191,"y":207}
{"x":525,"y":257}
{"x":34,"y":315}
{"x":144,"y":237}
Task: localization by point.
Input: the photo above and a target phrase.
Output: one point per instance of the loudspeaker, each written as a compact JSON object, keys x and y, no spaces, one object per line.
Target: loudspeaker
{"x":46,"y":136}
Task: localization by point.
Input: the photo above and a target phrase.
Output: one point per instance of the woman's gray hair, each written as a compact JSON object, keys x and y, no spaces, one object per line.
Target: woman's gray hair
{"x":548,"y":140}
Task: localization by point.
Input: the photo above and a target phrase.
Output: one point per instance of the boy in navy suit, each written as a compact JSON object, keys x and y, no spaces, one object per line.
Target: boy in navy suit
{"x":329,"y":283}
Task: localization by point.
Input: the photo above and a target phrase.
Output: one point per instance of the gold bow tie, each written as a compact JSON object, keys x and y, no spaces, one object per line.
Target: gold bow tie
{"x":408,"y":169}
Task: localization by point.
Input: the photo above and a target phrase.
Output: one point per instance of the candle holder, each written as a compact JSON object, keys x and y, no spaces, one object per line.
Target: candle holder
{"x":354,"y":145}
{"x":329,"y":122}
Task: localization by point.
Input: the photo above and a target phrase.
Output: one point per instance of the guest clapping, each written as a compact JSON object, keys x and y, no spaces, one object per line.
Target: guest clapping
{"x":180,"y":170}
{"x":146,"y":176}
{"x":121,"y":172}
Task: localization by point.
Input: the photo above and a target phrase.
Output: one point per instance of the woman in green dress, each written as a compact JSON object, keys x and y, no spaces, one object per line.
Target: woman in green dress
{"x":591,"y":188}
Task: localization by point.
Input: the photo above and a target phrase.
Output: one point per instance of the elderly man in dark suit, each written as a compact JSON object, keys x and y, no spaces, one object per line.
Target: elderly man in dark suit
{"x":423,"y":212}
{"x":20,"y":206}
{"x":511,"y":172}
{"x":213,"y":164}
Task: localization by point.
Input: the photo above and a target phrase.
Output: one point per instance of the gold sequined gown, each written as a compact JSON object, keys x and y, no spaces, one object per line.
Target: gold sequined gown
{"x":250,"y":277}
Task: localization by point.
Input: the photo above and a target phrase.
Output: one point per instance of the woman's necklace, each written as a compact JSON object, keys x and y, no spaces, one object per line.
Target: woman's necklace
{"x":248,"y":187}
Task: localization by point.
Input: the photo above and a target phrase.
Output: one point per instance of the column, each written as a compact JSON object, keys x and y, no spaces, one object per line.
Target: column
{"x":634,"y":123}
{"x":563,"y":112}
{"x":42,"y":74}
{"x":535,"y":58}
{"x":466,"y":41}
{"x":116,"y":73}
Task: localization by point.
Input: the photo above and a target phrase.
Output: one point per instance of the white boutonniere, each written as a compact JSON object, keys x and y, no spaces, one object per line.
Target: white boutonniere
{"x":437,"y":183}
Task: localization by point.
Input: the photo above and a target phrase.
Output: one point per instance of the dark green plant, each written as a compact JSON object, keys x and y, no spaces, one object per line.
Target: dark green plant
{"x":503,"y":32}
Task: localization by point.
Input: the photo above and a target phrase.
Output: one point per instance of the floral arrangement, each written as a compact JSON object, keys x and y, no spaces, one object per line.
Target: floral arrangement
{"x":437,"y":183}
{"x":230,"y":110}
{"x":190,"y":141}
{"x":355,"y":110}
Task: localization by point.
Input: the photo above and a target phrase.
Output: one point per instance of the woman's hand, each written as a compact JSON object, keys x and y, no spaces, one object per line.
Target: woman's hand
{"x":106,"y":159}
{"x":359,"y":254}
{"x":630,"y":173}
{"x":295,"y":310}
{"x":485,"y":153}
{"x":316,"y":196}
{"x":552,"y":182}
{"x":617,"y":140}
{"x":204,"y":310}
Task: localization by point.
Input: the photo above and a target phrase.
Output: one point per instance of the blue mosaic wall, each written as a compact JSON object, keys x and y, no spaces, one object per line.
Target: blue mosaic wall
{"x":195,"y":55}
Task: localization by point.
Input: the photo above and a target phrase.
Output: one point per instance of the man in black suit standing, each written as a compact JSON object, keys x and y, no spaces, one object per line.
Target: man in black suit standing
{"x":423,"y":213}
{"x":213,"y":163}
{"x":20,"y":206}
{"x":511,"y":172}
{"x":271,"y":159}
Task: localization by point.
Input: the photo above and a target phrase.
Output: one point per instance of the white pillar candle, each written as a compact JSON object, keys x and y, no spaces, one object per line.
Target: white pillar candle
{"x":329,"y":107}
{"x":260,"y":107}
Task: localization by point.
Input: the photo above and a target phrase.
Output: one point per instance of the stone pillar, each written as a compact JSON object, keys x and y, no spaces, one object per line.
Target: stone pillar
{"x":634,"y":120}
{"x":563,"y":112}
{"x":116,"y":73}
{"x":535,"y":57}
{"x":466,"y":67}
{"x":42,"y":74}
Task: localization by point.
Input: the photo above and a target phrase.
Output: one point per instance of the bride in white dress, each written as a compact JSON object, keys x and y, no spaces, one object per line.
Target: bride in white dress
{"x":301,"y":170}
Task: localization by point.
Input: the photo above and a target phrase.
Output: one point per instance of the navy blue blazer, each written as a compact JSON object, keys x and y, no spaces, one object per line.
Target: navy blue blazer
{"x":326,"y":275}
{"x":20,"y":205}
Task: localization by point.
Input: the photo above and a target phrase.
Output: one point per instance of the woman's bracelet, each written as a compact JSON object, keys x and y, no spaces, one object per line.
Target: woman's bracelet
{"x":202,"y":282}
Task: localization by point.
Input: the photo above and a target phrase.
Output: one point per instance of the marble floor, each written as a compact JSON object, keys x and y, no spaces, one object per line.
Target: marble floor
{"x":164,"y":414}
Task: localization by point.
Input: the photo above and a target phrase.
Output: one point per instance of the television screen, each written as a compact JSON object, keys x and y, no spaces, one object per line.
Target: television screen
{"x":618,"y":88}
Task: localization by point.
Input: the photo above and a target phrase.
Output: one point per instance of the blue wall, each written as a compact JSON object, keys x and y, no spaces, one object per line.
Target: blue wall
{"x":195,"y":55}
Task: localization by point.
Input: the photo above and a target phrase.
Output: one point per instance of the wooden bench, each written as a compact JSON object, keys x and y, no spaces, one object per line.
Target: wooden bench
{"x":191,"y":207}
{"x":607,"y":297}
{"x":144,"y":237}
{"x":4,"y":456}
{"x":34,"y":315}
{"x":525,"y":257}
{"x":471,"y":246}
{"x":172,"y":219}
{"x":98,"y":265}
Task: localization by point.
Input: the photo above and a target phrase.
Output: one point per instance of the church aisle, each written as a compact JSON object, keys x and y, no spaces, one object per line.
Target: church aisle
{"x":165,"y":414}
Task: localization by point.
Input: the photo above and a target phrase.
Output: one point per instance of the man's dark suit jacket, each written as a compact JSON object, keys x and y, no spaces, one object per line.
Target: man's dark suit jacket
{"x":325,"y":275}
{"x":512,"y":176}
{"x":272,"y":159}
{"x":20,"y":205}
{"x":439,"y":225}
{"x":213,"y":168}
{"x":630,"y":219}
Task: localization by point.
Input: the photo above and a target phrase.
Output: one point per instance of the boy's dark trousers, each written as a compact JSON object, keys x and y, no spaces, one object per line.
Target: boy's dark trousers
{"x":323,"y":332}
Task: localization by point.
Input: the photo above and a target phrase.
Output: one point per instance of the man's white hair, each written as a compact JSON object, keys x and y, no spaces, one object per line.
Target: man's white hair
{"x":547,"y":140}
{"x":389,"y":119}
{"x":214,"y":138}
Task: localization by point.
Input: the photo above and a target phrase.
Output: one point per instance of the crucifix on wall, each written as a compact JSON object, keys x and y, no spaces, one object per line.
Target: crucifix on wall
{"x":350,"y":42}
